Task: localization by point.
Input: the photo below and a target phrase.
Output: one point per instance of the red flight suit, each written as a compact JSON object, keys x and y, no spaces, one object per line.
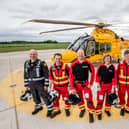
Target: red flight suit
{"x":106,"y":77}
{"x":79,"y":74}
{"x":60,"y":76}
{"x":123,"y":83}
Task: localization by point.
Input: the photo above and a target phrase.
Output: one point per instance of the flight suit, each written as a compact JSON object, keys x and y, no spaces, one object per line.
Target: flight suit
{"x":123,"y":83}
{"x":60,"y":77}
{"x":106,"y":77}
{"x":36,"y":77}
{"x":79,"y":75}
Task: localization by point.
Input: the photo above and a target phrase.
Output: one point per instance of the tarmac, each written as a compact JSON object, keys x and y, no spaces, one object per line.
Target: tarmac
{"x":13,"y":118}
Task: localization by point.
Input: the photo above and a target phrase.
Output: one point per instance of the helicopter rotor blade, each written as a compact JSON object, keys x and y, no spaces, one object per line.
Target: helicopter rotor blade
{"x":65,"y":29}
{"x":60,"y":22}
{"x":101,"y":25}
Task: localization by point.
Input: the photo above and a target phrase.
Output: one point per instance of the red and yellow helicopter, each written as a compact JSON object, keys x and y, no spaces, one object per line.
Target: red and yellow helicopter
{"x":101,"y":41}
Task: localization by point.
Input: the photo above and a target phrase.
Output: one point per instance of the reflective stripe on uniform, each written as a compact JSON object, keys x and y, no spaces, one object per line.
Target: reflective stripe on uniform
{"x":61,"y":80}
{"x":122,"y":74}
{"x":123,"y":78}
{"x":25,"y":79}
{"x":123,"y":82}
{"x":63,"y":73}
{"x":98,"y":112}
{"x":67,"y":107}
{"x":82,"y":107}
{"x":56,"y":109}
{"x":38,"y":69}
{"x":91,"y":111}
{"x":46,"y":83}
{"x":107,"y":108}
{"x":26,"y":83}
{"x":36,"y":79}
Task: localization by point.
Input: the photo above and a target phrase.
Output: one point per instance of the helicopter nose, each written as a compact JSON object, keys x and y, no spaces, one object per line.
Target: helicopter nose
{"x":68,"y":56}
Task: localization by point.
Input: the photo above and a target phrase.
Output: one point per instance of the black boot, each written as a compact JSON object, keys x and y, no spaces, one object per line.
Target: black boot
{"x":82,"y":113}
{"x":36,"y":110}
{"x":100,"y":117}
{"x":54,"y":114}
{"x":126,"y":111}
{"x":91,"y":118}
{"x":108,"y":113}
{"x":49,"y":113}
{"x":67,"y":112}
{"x":122,"y":112}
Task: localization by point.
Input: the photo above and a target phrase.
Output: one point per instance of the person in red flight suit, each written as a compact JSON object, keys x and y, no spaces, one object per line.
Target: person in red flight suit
{"x":106,"y":83}
{"x":123,"y":83}
{"x":79,"y":75}
{"x":59,"y":78}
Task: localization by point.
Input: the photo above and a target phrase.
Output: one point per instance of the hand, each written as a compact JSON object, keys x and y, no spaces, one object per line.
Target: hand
{"x":51,"y":88}
{"x":116,"y":89}
{"x":89,"y":86}
{"x":99,"y":89}
{"x":112,"y":90}
{"x":73,"y":91}
{"x":27,"y":88}
{"x":45,"y":88}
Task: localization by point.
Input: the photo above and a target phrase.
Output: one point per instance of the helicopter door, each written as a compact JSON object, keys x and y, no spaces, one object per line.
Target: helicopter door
{"x":90,"y":48}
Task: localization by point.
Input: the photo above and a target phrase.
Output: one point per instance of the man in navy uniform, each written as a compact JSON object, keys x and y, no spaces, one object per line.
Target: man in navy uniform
{"x":36,"y":79}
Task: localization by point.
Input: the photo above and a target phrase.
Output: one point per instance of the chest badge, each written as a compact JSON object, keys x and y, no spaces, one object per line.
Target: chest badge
{"x":85,"y":66}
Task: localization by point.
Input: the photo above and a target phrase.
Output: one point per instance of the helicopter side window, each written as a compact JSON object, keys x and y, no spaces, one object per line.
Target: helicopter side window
{"x":102,"y":47}
{"x":108,"y":47}
{"x":91,"y":48}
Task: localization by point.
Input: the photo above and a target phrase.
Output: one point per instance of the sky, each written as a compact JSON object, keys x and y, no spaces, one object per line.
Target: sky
{"x":13,"y":13}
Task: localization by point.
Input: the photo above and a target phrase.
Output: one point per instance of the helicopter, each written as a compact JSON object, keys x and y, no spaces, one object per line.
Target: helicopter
{"x":101,"y":41}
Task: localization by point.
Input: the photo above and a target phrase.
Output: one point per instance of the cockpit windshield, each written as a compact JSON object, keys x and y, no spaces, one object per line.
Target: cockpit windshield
{"x":81,"y":42}
{"x":76,"y":45}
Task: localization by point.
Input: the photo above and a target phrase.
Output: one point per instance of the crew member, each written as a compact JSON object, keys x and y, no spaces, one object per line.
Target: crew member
{"x":36,"y":79}
{"x":123,"y":83}
{"x":79,"y":75}
{"x":106,"y":83}
{"x":59,"y":80}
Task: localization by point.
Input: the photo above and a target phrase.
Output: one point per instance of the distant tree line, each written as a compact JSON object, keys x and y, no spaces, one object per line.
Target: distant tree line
{"x":31,"y":42}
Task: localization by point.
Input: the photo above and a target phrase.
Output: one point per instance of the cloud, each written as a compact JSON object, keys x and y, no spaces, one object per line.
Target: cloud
{"x":90,"y":11}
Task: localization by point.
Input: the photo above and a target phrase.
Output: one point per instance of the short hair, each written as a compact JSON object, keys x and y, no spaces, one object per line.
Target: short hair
{"x":126,"y":52}
{"x":57,"y":54}
{"x":33,"y":51}
{"x":107,"y":56}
